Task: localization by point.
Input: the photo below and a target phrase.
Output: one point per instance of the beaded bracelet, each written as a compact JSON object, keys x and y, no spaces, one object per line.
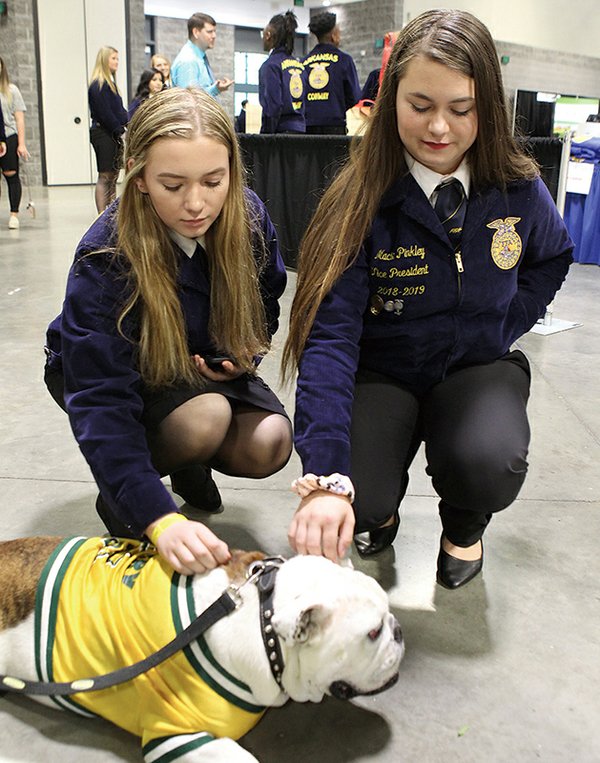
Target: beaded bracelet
{"x":334,"y":483}
{"x":163,"y":524}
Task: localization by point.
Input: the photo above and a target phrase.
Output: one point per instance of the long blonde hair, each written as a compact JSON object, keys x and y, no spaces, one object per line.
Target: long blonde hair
{"x":345,"y":214}
{"x":5,"y":82}
{"x":102,"y":73}
{"x":237,"y":323}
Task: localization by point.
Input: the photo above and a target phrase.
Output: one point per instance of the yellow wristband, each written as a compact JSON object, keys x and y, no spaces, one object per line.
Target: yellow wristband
{"x":162,"y":524}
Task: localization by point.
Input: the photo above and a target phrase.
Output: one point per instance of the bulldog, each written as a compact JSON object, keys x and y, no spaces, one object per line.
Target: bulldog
{"x":72,"y":609}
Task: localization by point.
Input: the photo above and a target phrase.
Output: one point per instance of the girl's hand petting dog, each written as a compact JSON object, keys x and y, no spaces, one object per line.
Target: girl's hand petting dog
{"x":190,"y":547}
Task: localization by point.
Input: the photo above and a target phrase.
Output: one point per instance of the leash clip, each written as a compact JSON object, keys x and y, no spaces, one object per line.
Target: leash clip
{"x":261,"y":566}
{"x":253,"y":574}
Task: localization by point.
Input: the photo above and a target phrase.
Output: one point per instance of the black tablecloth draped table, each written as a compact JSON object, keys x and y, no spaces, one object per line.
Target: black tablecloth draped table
{"x":290,"y":173}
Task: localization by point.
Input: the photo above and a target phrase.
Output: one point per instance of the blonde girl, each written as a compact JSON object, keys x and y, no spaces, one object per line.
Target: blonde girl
{"x":13,"y":110}
{"x":435,"y":248}
{"x":109,"y":119}
{"x":163,"y":64}
{"x":170,"y":304}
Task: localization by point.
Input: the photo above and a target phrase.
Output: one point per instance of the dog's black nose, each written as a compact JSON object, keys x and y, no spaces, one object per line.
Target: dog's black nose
{"x":342,"y":690}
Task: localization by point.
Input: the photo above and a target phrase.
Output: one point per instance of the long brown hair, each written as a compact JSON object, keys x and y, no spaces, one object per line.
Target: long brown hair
{"x":237,"y":323}
{"x":331,"y":244}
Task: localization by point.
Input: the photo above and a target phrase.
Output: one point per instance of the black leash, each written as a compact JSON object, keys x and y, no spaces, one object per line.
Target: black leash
{"x":229,"y":600}
{"x":217,"y":610}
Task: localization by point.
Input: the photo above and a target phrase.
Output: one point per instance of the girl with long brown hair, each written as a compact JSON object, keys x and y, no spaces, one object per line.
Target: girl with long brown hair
{"x":435,"y":248}
{"x":171,"y":302}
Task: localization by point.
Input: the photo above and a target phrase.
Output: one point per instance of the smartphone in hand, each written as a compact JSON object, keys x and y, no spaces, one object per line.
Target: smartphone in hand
{"x":215,"y":362}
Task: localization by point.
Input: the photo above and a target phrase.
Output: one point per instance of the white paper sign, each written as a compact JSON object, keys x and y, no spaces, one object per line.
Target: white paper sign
{"x":579,"y":177}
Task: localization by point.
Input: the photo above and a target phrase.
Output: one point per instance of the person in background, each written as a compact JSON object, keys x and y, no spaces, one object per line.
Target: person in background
{"x":2,"y":134}
{"x":13,"y":110}
{"x":151,"y":82}
{"x":434,"y":249}
{"x":163,"y":64}
{"x":170,"y":304}
{"x":109,"y":119}
{"x":240,"y":120}
{"x":281,"y":78}
{"x":332,"y":82}
{"x":191,"y":67}
{"x":371,"y":86}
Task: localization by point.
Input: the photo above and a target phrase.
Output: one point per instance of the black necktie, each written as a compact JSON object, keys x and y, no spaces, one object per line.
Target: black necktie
{"x":451,"y":207}
{"x":200,"y":258}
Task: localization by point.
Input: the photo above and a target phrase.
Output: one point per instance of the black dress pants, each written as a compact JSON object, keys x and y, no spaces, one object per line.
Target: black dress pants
{"x":476,"y":434}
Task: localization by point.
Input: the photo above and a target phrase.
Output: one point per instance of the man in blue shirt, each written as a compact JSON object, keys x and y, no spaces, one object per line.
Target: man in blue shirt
{"x":190,"y":67}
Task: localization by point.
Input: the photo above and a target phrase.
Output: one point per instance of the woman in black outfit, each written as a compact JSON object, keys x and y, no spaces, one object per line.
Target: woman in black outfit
{"x":108,"y":124}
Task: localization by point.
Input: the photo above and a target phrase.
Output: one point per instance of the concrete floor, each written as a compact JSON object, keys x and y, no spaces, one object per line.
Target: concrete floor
{"x":506,"y":669}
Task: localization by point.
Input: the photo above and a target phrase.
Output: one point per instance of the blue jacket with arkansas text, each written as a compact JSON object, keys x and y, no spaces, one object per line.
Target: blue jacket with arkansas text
{"x":281,"y":93}
{"x":411,"y":308}
{"x":332,"y":85}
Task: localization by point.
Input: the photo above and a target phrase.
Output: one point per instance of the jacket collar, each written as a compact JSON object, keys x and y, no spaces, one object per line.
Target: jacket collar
{"x":406,"y":193}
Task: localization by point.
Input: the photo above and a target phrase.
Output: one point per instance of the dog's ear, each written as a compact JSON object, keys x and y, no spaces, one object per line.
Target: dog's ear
{"x":300,"y":626}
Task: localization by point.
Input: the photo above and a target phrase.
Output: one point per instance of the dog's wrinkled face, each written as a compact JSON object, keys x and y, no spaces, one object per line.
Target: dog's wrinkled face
{"x":336,"y":630}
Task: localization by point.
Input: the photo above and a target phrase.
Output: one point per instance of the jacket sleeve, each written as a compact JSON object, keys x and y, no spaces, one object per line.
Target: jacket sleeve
{"x":107,"y":108}
{"x":326,"y":375}
{"x":270,"y":97}
{"x":102,"y":395}
{"x":544,"y":265}
{"x":351,"y":85}
{"x":273,"y":276}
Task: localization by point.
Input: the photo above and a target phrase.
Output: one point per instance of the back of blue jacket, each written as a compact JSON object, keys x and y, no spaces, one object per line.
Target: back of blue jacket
{"x":281,"y":89}
{"x":332,"y":85}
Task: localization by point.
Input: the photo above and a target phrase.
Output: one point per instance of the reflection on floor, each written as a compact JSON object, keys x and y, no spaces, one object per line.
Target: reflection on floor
{"x":507,"y":668}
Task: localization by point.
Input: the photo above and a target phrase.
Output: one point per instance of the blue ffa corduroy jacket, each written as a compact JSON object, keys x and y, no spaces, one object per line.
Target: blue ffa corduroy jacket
{"x":281,"y":93}
{"x":332,"y":85}
{"x":102,"y":381}
{"x":409,"y":308}
{"x":107,"y":109}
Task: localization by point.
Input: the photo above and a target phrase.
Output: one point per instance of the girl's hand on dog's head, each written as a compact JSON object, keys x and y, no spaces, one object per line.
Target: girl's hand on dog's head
{"x":323,"y":525}
{"x":190,"y":547}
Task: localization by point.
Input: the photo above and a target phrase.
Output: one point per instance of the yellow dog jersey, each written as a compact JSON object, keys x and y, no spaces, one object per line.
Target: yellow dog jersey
{"x":104,"y":603}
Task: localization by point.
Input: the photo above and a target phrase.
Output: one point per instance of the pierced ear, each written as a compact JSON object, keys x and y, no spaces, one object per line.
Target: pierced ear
{"x":141,"y":185}
{"x":299,"y":628}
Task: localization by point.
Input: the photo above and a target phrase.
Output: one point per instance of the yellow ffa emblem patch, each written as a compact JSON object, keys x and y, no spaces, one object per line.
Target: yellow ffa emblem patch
{"x":296,"y":84}
{"x":318,"y":77}
{"x":506,"y":244}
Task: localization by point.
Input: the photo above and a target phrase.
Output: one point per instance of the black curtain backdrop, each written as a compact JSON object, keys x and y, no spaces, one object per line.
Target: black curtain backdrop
{"x":290,"y":173}
{"x":534,"y":118}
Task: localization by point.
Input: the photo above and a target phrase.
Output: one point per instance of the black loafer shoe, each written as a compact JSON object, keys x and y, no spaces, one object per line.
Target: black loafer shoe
{"x":453,"y":573}
{"x":197,"y":488}
{"x":374,"y":541}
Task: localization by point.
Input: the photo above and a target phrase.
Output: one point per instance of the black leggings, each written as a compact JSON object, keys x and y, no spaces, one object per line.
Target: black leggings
{"x":10,"y":163}
{"x":476,"y":433}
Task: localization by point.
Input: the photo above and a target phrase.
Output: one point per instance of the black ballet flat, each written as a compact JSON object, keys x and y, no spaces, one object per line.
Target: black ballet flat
{"x":453,"y":573}
{"x":197,"y":488}
{"x":375,"y":541}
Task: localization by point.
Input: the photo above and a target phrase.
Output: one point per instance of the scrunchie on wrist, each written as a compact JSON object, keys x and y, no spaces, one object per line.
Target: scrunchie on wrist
{"x":163,"y":524}
{"x":333,"y":483}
